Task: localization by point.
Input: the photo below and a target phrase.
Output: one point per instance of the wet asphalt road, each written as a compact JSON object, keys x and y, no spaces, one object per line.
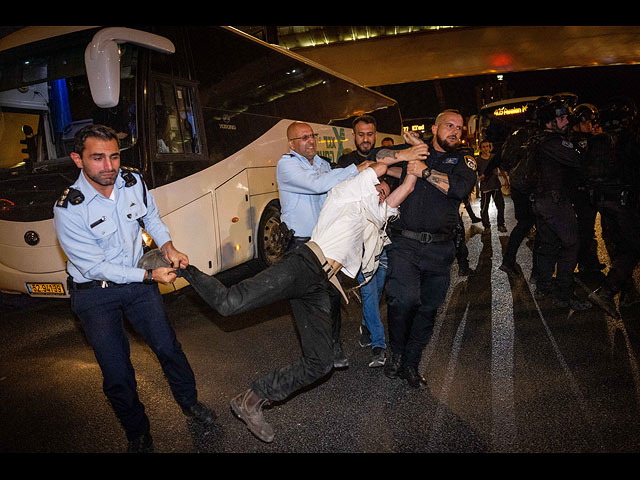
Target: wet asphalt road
{"x":506,"y":374}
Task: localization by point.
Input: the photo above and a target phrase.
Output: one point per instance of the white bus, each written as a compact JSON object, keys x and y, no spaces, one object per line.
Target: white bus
{"x":202,"y":112}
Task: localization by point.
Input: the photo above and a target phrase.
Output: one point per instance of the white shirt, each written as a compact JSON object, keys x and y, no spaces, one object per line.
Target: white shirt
{"x":352,"y":220}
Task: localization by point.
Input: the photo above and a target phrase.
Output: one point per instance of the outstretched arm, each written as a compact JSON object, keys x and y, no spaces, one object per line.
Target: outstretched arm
{"x":416,"y":152}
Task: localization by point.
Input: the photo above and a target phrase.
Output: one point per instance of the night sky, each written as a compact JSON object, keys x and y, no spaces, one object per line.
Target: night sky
{"x":592,"y":85}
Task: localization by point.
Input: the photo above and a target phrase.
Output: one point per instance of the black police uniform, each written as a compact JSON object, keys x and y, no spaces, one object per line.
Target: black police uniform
{"x":525,"y":218}
{"x":557,"y":227}
{"x":420,"y":258}
{"x":585,"y":213}
{"x":609,"y":171}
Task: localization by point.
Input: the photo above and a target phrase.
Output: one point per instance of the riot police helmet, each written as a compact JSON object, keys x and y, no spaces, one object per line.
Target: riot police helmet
{"x":618,"y":112}
{"x":583,"y":113}
{"x":551,"y":110}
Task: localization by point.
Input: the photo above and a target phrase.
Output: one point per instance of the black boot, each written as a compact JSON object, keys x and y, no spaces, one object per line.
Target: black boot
{"x":392,"y":366}
{"x":141,"y":444}
{"x":413,"y":377}
{"x":603,"y":297}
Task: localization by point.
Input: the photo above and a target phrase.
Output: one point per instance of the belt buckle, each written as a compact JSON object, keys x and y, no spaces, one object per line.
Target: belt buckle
{"x":425,"y":237}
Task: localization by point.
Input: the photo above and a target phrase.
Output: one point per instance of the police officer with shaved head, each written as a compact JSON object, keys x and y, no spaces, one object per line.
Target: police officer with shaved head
{"x":423,"y":248}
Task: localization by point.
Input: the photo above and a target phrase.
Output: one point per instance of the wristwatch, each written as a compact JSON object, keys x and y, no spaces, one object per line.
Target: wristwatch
{"x":426,"y":173}
{"x":149,"y":278}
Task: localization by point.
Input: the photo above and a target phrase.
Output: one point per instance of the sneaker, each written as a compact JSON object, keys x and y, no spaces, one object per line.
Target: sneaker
{"x":377,"y":357}
{"x":339,"y":358}
{"x":365,"y":336}
{"x":200,"y":413}
{"x":141,"y":444}
{"x":502,"y":228}
{"x":486,"y":230}
{"x":248,"y":407}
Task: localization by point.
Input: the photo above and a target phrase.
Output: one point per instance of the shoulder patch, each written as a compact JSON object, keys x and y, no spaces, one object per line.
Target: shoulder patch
{"x":127,"y":173}
{"x":471,"y":162}
{"x":70,"y":195}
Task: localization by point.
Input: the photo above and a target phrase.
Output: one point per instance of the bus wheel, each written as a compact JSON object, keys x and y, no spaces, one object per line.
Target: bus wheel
{"x":271,"y":240}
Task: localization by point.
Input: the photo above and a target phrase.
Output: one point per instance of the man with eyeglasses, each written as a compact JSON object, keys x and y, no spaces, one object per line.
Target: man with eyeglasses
{"x":304,"y":178}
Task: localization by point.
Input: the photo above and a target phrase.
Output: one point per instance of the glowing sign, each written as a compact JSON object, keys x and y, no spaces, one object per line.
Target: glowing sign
{"x":502,"y":111}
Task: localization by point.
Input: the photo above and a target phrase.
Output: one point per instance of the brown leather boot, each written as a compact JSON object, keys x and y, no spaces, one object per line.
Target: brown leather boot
{"x":248,"y":407}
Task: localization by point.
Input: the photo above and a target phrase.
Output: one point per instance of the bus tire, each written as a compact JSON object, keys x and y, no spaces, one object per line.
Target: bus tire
{"x":271,"y":241}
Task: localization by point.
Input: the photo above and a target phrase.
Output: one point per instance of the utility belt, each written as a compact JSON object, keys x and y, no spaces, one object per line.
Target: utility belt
{"x":71,"y":285}
{"x":423,"y":237}
{"x":333,"y":279}
{"x":626,"y":197}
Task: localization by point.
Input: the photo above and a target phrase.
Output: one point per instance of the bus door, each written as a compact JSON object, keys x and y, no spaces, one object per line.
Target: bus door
{"x":234,"y":217}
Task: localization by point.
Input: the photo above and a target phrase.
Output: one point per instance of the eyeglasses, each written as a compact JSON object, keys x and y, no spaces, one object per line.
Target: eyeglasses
{"x":304,"y":138}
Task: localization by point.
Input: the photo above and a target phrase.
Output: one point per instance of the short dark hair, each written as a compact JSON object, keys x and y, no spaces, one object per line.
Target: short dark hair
{"x":96,"y":131}
{"x":366,"y":119}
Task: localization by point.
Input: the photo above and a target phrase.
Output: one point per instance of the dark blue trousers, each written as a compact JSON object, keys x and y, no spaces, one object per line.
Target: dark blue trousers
{"x":101,"y":312}
{"x":417,"y":282}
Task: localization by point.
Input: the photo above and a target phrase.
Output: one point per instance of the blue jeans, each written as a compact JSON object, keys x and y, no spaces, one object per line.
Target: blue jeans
{"x":371,"y":293}
{"x":101,"y":311}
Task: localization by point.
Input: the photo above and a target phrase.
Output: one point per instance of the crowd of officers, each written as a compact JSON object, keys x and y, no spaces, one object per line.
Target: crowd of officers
{"x":583,"y":161}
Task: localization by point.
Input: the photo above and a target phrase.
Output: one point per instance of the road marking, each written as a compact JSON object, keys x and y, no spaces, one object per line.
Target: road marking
{"x":443,"y":398}
{"x":504,"y":435}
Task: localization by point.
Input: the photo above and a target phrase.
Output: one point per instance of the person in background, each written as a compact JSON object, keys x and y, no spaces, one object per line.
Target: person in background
{"x":490,"y":186}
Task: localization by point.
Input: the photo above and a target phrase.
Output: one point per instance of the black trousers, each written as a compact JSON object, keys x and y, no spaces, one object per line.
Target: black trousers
{"x":558,"y":244}
{"x":525,"y":219}
{"x":485,"y":201}
{"x":621,"y":227}
{"x":299,"y":278}
{"x":586,"y":215}
{"x":417,"y":282}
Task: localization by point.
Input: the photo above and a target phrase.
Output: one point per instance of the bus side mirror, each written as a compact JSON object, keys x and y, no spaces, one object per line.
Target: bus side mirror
{"x":102,"y":60}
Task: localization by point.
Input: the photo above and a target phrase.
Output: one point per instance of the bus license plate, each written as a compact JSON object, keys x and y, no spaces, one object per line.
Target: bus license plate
{"x":45,"y":288}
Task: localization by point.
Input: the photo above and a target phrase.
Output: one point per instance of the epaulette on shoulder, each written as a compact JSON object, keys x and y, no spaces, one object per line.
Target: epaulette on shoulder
{"x":70,"y":195}
{"x":127,"y":174}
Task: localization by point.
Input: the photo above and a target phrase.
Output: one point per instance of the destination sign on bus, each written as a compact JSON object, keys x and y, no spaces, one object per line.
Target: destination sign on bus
{"x":502,"y":111}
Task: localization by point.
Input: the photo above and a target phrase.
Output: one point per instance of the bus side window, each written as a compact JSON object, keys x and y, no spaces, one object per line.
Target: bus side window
{"x":175,"y":124}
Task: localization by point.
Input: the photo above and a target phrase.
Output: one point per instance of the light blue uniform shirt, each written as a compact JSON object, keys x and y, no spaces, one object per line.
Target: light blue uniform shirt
{"x":102,"y":237}
{"x":303,"y":189}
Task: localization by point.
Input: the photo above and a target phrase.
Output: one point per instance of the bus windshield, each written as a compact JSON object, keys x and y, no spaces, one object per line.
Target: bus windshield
{"x":44,"y":101}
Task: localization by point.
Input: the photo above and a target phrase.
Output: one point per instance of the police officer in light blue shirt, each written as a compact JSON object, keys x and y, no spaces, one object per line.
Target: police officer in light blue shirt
{"x":98,"y":221}
{"x":304,"y":180}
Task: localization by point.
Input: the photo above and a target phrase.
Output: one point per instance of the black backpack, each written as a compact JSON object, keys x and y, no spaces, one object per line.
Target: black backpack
{"x":524,"y":173}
